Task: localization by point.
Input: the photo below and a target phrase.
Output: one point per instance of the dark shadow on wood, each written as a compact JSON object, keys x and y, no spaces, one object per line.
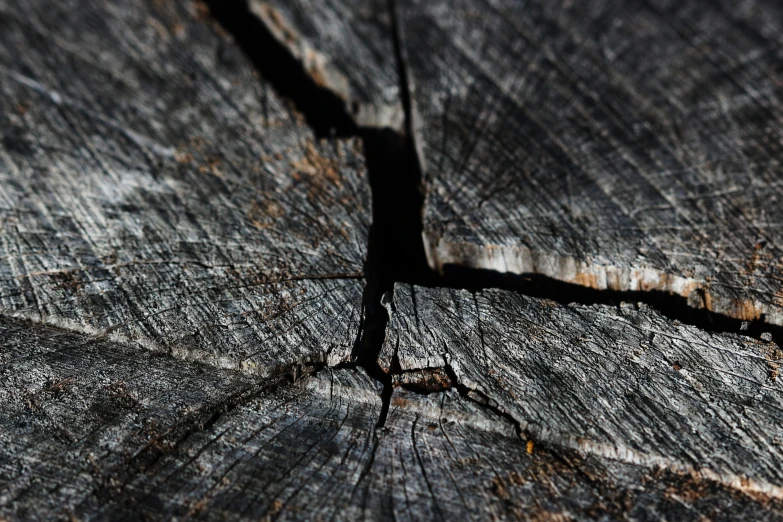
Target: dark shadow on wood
{"x":324,"y":111}
{"x":672,"y":306}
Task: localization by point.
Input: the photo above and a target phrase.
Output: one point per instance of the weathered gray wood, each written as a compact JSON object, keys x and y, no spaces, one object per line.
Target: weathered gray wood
{"x":344,"y":46}
{"x":615,"y":145}
{"x":625,"y":384}
{"x":311,"y":452}
{"x":620,"y":145}
{"x":95,"y":430}
{"x":154,"y":190}
{"x":155,"y":194}
{"x":78,"y":414}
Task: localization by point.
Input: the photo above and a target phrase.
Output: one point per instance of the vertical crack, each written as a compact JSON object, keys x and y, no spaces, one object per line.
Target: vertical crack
{"x":395,"y":252}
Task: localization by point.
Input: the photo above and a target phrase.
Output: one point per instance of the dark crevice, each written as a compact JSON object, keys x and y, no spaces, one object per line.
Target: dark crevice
{"x":395,"y":251}
{"x":323,"y":110}
{"x":671,"y":306}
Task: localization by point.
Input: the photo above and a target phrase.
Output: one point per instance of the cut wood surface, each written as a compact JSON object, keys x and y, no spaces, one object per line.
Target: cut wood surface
{"x":153,"y":189}
{"x":145,"y":436}
{"x":612,"y":144}
{"x":183,"y":326}
{"x":311,"y":452}
{"x":621,"y":383}
{"x":630,"y":146}
{"x":79,"y":414}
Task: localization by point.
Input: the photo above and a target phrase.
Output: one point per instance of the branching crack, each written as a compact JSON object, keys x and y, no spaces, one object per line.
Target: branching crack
{"x":395,"y":251}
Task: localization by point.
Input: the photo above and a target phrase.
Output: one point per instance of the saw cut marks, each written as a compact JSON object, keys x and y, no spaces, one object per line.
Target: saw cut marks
{"x":620,"y":383}
{"x":630,"y":146}
{"x":155,"y":190}
{"x":344,"y":46}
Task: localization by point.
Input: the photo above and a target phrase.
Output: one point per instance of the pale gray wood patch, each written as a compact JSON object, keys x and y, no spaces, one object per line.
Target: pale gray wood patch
{"x":620,"y":383}
{"x":155,"y":190}
{"x":345,"y":46}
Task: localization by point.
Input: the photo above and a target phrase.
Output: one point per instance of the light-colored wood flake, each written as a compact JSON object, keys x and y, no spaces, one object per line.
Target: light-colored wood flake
{"x":615,"y":145}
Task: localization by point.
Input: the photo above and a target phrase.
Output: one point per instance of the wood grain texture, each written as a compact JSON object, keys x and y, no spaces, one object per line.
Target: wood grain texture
{"x":155,"y":190}
{"x":616,"y":145}
{"x":146,"y":437}
{"x":345,"y":46}
{"x":78,"y":414}
{"x":622,"y":383}
{"x":611,"y":144}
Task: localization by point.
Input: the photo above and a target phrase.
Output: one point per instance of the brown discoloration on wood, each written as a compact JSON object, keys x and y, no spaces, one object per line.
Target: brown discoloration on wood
{"x":357,"y":62}
{"x":774,"y":356}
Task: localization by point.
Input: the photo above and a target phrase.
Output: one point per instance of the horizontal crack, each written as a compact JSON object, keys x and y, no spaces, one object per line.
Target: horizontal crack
{"x":395,"y":251}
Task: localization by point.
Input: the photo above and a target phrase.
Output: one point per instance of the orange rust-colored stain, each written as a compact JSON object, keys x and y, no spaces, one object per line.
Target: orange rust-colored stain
{"x":317,"y":75}
{"x":277,"y":22}
{"x":745,"y":310}
{"x":706,"y":298}
{"x":319,"y":172}
{"x":314,"y":69}
{"x":262,"y":214}
{"x":399,"y":402}
{"x":774,"y":355}
{"x":588,"y":280}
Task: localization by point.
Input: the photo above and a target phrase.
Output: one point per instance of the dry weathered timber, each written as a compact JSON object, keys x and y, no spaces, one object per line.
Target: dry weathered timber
{"x":620,"y":383}
{"x":78,"y":414}
{"x":140,"y":435}
{"x":344,"y":46}
{"x":613,"y":144}
{"x":150,"y":437}
{"x":153,"y":189}
{"x":155,"y":194}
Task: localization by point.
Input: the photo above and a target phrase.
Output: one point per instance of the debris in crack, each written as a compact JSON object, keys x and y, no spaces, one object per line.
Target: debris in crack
{"x":425,"y":380}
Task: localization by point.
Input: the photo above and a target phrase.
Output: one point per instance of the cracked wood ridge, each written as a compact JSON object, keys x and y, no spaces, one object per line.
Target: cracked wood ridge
{"x":185,"y":327}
